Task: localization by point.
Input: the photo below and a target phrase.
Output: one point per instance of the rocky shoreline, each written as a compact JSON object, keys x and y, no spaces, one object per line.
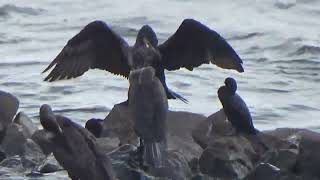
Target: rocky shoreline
{"x":199,"y":147}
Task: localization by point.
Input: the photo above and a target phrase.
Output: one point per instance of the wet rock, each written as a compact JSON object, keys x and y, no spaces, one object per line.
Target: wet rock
{"x":41,"y":137}
{"x":10,"y":165}
{"x":175,"y":166}
{"x":26,"y":123}
{"x":9,"y":105}
{"x":32,"y":155}
{"x":14,"y":140}
{"x":50,"y":165}
{"x":265,"y":171}
{"x":228,"y":157}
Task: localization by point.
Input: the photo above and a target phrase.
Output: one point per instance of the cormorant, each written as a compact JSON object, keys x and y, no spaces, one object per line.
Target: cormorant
{"x":83,"y":159}
{"x":95,"y":126}
{"x":148,"y":106}
{"x":98,"y":46}
{"x":235,"y":108}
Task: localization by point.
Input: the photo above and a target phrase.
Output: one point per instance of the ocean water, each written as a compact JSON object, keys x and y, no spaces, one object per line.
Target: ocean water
{"x":278,"y":41}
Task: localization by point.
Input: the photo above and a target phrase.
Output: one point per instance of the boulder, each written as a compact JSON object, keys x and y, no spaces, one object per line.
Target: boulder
{"x":308,"y":159}
{"x":41,"y":137}
{"x":32,"y":155}
{"x":14,"y":140}
{"x":9,"y":105}
{"x":50,"y":165}
{"x":265,"y":171}
{"x":26,"y":123}
{"x":175,"y":165}
{"x":228,"y":157}
{"x":119,"y":125}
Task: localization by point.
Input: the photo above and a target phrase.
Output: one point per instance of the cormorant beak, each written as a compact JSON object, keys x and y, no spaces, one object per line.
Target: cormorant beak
{"x":147,"y":43}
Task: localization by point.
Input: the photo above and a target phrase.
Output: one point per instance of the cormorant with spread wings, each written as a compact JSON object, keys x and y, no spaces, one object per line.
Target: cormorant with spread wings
{"x":98,"y":46}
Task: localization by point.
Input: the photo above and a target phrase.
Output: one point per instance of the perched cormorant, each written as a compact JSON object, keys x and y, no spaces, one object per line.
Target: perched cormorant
{"x":98,"y":46}
{"x":148,"y":106}
{"x":83,"y":158}
{"x":235,"y":108}
{"x":94,"y":126}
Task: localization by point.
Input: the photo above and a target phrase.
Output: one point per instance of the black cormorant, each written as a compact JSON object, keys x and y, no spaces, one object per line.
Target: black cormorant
{"x":95,"y":126}
{"x":83,"y":158}
{"x":235,"y":108}
{"x":98,"y":46}
{"x":148,"y":106}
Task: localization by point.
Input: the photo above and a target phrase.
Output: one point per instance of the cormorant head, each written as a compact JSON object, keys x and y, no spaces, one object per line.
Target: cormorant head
{"x":45,"y":110}
{"x":231,"y":84}
{"x":94,"y":126}
{"x":147,"y":37}
{"x":225,"y":56}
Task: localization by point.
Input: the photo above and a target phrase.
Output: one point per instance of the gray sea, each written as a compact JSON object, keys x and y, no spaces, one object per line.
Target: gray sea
{"x":278,"y":40}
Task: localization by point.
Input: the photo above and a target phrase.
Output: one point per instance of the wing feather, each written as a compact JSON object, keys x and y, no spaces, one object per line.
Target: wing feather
{"x":194,"y":44}
{"x":95,"y":46}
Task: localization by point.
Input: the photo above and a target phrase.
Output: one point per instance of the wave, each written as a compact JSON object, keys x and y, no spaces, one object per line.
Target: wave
{"x":24,"y":63}
{"x":84,"y":109}
{"x":307,"y":49}
{"x":7,"y":9}
{"x":246,"y":36}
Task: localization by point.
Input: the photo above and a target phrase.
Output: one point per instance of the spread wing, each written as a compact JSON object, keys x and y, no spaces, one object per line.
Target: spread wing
{"x":95,"y":46}
{"x":194,"y":44}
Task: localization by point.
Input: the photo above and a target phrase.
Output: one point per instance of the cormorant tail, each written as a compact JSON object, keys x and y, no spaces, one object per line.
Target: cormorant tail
{"x":175,"y":96}
{"x":153,"y":154}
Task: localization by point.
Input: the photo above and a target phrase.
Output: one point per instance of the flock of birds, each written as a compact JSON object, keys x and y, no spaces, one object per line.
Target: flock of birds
{"x":193,"y":44}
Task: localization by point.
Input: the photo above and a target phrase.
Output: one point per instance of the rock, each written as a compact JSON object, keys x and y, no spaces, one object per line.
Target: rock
{"x":179,"y":137}
{"x":42,"y":139}
{"x":9,"y":105}
{"x":32,"y":155}
{"x":228,"y":157}
{"x":108,"y":144}
{"x":265,"y":171}
{"x":203,"y":131}
{"x":285,"y":159}
{"x":119,"y":125}
{"x":175,"y":166}
{"x":308,"y":161}
{"x":11,"y":164}
{"x":26,"y":123}
{"x":14,"y":140}
{"x":50,"y":165}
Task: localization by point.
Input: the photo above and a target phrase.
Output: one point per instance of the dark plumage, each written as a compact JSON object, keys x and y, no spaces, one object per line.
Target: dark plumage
{"x":48,"y":120}
{"x":148,"y":106}
{"x":94,"y":126}
{"x":98,"y":46}
{"x":75,"y":148}
{"x":235,"y":108}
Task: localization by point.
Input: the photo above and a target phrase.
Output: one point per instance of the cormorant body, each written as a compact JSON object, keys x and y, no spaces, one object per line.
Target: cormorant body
{"x":235,"y":108}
